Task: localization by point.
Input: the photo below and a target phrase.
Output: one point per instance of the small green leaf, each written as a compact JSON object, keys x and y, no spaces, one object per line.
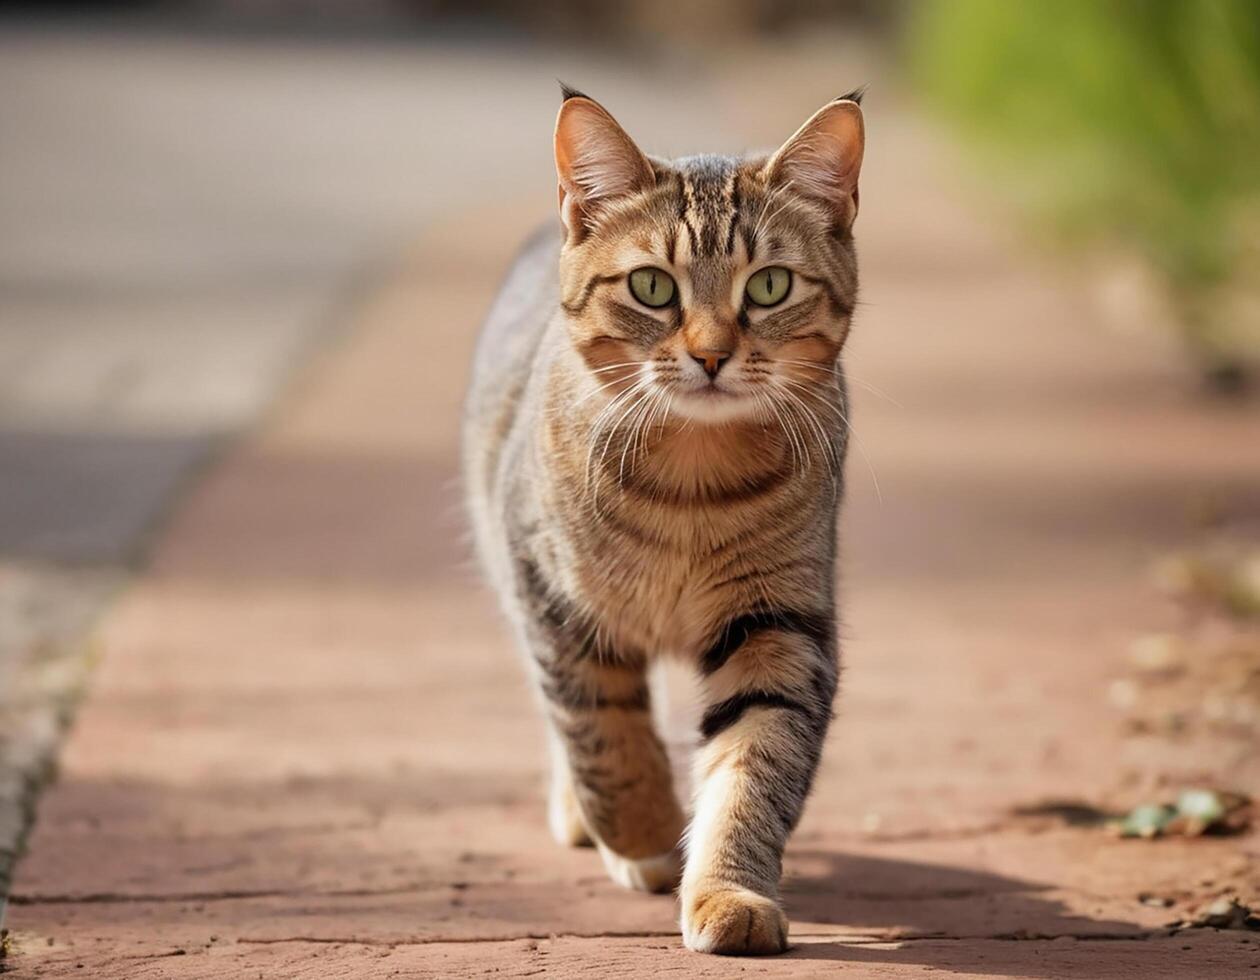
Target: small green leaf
{"x":1203,"y":806}
{"x":1148,"y":820}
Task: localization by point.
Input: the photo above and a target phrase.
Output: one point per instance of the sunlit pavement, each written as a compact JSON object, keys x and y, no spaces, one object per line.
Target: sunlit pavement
{"x":308,"y":750}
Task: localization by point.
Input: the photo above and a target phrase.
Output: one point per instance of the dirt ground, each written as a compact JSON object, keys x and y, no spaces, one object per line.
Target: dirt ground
{"x":309,"y":751}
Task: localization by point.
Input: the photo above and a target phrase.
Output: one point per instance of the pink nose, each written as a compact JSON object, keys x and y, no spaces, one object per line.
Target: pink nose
{"x":710,"y":360}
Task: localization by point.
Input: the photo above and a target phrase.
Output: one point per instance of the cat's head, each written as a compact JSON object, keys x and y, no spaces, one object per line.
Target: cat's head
{"x":724,"y":286}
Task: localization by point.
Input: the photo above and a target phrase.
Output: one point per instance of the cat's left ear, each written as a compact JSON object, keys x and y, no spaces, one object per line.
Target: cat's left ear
{"x":596,"y":161}
{"x":823,"y":158}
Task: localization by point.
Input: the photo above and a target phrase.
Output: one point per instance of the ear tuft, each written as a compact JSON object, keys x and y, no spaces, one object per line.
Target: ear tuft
{"x":854,"y":96}
{"x":823,"y":159}
{"x":568,"y":92}
{"x":596,"y":161}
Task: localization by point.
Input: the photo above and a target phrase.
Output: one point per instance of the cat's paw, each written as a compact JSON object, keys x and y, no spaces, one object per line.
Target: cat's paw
{"x":652,"y":874}
{"x":565,"y":818}
{"x":733,"y":922}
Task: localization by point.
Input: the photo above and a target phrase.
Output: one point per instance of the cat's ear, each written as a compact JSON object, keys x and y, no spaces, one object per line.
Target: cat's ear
{"x":823,"y":158}
{"x":596,"y":161}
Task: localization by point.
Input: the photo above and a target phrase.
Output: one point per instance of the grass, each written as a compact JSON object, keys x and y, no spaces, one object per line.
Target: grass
{"x":1130,"y":125}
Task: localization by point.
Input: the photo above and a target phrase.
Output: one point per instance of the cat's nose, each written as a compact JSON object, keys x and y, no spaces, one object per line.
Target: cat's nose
{"x":710,"y":360}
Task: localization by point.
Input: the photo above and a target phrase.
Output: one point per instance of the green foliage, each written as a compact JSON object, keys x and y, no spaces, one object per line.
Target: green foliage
{"x":1126,"y":122}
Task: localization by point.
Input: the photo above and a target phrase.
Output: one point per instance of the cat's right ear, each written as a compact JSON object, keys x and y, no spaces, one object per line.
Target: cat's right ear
{"x":596,"y":162}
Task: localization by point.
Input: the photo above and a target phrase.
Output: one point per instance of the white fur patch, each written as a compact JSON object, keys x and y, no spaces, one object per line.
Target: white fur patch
{"x":652,"y":874}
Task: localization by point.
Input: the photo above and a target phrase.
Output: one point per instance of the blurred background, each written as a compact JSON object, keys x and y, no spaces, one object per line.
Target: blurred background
{"x":1055,"y":362}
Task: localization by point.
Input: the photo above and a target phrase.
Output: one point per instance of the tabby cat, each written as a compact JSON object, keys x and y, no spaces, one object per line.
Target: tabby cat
{"x":654,"y":440}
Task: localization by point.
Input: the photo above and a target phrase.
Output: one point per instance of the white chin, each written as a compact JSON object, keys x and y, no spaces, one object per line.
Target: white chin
{"x":712,"y":407}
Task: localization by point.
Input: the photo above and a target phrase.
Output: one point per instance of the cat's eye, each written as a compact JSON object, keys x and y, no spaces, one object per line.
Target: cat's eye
{"x":769,"y":286}
{"x":652,"y":287}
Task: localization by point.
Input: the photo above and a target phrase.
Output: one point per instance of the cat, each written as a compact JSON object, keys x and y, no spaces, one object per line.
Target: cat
{"x":653,"y":447}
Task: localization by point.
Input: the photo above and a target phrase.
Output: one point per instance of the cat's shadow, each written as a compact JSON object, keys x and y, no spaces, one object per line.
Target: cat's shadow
{"x":949,"y":918}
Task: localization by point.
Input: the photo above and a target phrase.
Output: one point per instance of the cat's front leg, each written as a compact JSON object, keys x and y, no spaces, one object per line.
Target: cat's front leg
{"x":770,"y":680}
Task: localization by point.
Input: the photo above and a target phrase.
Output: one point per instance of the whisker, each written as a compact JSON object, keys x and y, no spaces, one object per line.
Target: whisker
{"x":844,"y":419}
{"x":848,"y":376}
{"x":816,"y":427}
{"x":634,"y":406}
{"x":599,"y":423}
{"x":800,"y":453}
{"x":598,"y":389}
{"x":636,"y":426}
{"x":613,"y":367}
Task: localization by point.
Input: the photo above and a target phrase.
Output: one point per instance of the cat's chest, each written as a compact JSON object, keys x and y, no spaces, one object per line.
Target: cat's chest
{"x":654,"y":597}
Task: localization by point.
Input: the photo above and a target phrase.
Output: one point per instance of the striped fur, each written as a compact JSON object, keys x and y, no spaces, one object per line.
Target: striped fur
{"x":629,"y":506}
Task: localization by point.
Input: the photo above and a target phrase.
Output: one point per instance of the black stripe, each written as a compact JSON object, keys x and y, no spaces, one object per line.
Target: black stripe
{"x":789,"y":780}
{"x":550,"y":611}
{"x":824,"y":681}
{"x":577,"y":306}
{"x":686,"y":195}
{"x":639,"y":326}
{"x":657,"y":495}
{"x":724,"y":714}
{"x":755,"y":573}
{"x":750,"y":240}
{"x":573,"y":696}
{"x":691,"y":234}
{"x":730,"y":234}
{"x":628,"y":527}
{"x":779,"y":322}
{"x":816,"y":626}
{"x":838,"y":305}
{"x":556,"y":623}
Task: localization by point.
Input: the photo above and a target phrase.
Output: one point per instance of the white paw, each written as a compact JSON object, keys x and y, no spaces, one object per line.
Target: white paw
{"x":733,"y":922}
{"x":565,"y":819}
{"x":652,"y":874}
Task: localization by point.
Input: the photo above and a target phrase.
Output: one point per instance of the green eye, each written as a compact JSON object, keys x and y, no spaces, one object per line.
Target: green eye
{"x":652,"y":287}
{"x":769,"y":286}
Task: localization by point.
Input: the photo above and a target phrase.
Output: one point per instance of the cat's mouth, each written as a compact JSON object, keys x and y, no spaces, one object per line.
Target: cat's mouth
{"x":712,"y":390}
{"x":712,"y":402}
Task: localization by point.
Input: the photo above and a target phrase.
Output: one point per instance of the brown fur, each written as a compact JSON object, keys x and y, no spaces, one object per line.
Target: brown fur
{"x":629,"y":505}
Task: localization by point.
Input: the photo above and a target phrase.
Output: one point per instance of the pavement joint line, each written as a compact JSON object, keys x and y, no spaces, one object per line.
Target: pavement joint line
{"x":230,"y":895}
{"x":865,"y":939}
{"x":124,"y":898}
{"x":456,"y":940}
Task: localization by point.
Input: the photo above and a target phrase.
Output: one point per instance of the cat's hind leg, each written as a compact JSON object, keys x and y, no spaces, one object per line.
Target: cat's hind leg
{"x":619,"y":788}
{"x":564,"y":816}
